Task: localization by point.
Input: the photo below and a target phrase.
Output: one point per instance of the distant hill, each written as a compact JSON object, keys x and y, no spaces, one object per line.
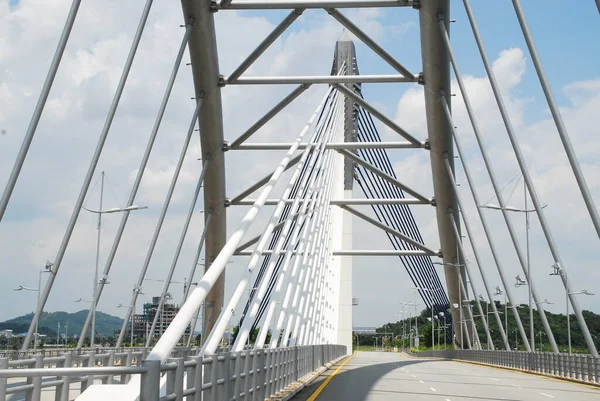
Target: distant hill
{"x":105,"y":324}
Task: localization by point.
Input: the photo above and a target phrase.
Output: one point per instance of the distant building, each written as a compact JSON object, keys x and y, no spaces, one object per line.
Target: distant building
{"x":143,"y":322}
{"x":8,"y":333}
{"x":364,"y":330}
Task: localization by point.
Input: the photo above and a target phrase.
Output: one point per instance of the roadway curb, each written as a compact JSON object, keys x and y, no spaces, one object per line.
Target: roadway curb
{"x":294,"y":388}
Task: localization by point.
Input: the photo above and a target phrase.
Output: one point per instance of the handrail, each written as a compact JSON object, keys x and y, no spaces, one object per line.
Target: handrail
{"x":263,"y":372}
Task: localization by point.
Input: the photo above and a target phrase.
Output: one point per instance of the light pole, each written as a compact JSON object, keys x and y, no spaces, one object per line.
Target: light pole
{"x":100,"y":212}
{"x":46,"y":269}
{"x":528,"y":270}
{"x":430,"y":290}
{"x":87,"y":302}
{"x":442,"y":314}
{"x":582,"y":292}
{"x":460,"y":295}
{"x":409,"y":317}
{"x":559,"y":272}
{"x":132,"y":317}
{"x":500,"y":291}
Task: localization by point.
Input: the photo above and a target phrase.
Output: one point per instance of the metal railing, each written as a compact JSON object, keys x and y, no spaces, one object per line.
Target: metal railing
{"x":57,"y":352}
{"x":580,"y":367}
{"x":244,"y":375}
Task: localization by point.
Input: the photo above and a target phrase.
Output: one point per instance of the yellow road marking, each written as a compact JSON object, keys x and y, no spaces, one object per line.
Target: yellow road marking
{"x":314,"y":395}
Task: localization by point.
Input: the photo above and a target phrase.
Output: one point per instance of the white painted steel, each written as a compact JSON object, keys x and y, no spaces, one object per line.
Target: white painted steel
{"x":171,"y":336}
{"x":307,"y":185}
{"x":226,"y":314}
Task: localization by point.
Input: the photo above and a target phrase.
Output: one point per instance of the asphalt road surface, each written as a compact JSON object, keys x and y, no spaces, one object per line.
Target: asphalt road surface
{"x":379,"y":376}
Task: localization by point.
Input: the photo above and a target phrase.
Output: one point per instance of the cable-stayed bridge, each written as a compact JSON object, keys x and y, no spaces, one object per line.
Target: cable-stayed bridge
{"x":298,"y":294}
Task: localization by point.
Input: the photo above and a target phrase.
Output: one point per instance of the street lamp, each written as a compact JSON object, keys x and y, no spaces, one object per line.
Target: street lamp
{"x":460,"y":285}
{"x":100,"y":212}
{"x":582,"y":292}
{"x":528,"y":270}
{"x":430,"y":290}
{"x":132,"y":317}
{"x":408,"y":315}
{"x":500,"y":291}
{"x":442,"y":314}
{"x":46,"y":269}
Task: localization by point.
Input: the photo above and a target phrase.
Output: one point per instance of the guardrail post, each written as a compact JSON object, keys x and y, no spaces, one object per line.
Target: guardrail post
{"x":111,"y":362}
{"x":264,"y":369}
{"x":210,"y":377}
{"x":190,"y":378}
{"x":63,"y":394}
{"x":198,"y":378}
{"x":89,"y":362}
{"x":150,"y":381}
{"x":296,"y":363}
{"x":247,"y":366}
{"x":3,"y":380}
{"x":171,"y":378}
{"x":128,"y":360}
{"x":237,"y":369}
{"x":269,"y":370}
{"x":225,"y":394}
{"x":36,"y":393}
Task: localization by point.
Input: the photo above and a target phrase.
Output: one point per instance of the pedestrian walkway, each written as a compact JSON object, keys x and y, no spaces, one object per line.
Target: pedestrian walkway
{"x":379,"y":376}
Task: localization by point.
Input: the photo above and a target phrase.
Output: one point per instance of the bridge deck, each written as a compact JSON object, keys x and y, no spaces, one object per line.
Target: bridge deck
{"x":378,"y":376}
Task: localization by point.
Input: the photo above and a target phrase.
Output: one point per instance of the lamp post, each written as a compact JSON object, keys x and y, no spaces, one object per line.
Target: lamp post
{"x":500,"y":291}
{"x":430,"y":290}
{"x":528,"y":267}
{"x":100,"y":212}
{"x":442,"y":314}
{"x":132,"y":317}
{"x":409,"y":317}
{"x":583,"y":292}
{"x":559,"y":272}
{"x":46,"y":269}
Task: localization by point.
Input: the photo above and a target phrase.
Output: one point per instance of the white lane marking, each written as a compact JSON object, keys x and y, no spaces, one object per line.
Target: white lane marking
{"x":477,"y":374}
{"x":432,"y":389}
{"x":413,"y":376}
{"x":547,"y":395}
{"x":493,"y":378}
{"x":447,"y":399}
{"x":514,"y":385}
{"x":421,"y":381}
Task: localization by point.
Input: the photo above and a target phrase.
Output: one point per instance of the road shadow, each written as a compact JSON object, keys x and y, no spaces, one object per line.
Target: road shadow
{"x":356,"y":383}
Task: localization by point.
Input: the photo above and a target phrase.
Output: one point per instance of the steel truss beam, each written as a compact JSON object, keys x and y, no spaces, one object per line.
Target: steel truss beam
{"x":341,"y":145}
{"x":264,"y":45}
{"x":383,"y":175}
{"x":339,"y":202}
{"x":362,"y":102}
{"x":352,"y":252}
{"x":318,"y":79}
{"x":391,"y":231}
{"x":287,"y":4}
{"x":263,"y":181}
{"x":255,"y":239}
{"x":269,"y":115}
{"x":371,"y":44}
